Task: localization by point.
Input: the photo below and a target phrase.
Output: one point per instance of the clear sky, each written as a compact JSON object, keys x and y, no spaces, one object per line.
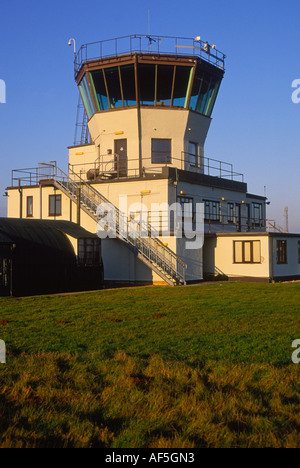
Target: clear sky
{"x":255,"y":123}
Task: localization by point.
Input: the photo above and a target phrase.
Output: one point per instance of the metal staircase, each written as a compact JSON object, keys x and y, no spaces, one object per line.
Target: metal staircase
{"x":150,"y":250}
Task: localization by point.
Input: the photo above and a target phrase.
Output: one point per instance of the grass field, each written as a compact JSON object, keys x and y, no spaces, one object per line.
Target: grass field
{"x":201,"y":366}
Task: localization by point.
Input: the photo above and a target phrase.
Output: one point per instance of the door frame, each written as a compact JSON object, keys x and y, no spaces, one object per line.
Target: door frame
{"x":118,"y":162}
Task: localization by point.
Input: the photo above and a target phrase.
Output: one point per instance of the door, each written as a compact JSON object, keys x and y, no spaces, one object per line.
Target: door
{"x":121,"y":162}
{"x":5,"y":276}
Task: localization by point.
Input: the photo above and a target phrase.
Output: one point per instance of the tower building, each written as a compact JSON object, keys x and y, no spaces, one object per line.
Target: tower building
{"x":148,"y":105}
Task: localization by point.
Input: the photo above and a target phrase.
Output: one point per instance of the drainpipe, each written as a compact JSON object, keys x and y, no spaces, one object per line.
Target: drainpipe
{"x":21,"y":199}
{"x":41,"y":202}
{"x":175,"y":201}
{"x":138,"y":117}
{"x":78,"y":205}
{"x":272,"y":258}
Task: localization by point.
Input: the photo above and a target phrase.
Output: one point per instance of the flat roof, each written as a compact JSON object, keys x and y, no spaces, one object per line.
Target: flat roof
{"x":252,"y":234}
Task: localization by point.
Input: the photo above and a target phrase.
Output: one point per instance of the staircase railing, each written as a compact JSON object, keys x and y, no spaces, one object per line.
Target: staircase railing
{"x":272,"y":225}
{"x":149,"y":249}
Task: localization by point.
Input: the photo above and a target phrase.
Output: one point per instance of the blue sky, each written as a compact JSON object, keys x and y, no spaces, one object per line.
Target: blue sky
{"x":255,"y":124}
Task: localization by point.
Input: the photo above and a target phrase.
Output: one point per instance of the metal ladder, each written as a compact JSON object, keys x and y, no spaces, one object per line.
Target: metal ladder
{"x":150,"y":250}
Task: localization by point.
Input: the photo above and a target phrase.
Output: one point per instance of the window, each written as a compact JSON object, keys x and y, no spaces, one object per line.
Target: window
{"x":257,"y":213}
{"x":112,"y":77}
{"x":165,"y":78}
{"x":204,"y":92}
{"x":128,"y":85}
{"x":246,"y":252}
{"x":152,"y":84}
{"x":161,"y":151}
{"x":181,"y":86}
{"x":86,"y":97}
{"x":193,"y":154}
{"x":230,"y":213}
{"x":147,"y":83}
{"x":29,"y":207}
{"x":188,"y":212}
{"x":89,"y":252}
{"x":99,"y":87}
{"x":281,"y":252}
{"x":212,"y":210}
{"x":55,"y":205}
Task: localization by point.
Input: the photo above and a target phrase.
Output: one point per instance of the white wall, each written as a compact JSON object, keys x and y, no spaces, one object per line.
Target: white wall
{"x":179,"y":125}
{"x":219,"y":253}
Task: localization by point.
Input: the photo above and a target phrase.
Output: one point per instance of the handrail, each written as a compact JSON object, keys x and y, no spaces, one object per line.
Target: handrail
{"x":272,"y":224}
{"x":148,"y":227}
{"x":165,"y":259}
{"x":141,"y":43}
{"x":203,"y":165}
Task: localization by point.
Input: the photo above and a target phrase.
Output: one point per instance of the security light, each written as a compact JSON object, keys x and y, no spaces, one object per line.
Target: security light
{"x":198,"y":38}
{"x":70,"y":43}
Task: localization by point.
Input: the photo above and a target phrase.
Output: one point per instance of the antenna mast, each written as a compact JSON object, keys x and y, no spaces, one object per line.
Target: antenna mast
{"x":286,"y":215}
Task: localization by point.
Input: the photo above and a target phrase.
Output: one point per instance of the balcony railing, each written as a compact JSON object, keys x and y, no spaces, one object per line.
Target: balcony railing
{"x":139,"y":43}
{"x":214,"y":223}
{"x":109,"y":166}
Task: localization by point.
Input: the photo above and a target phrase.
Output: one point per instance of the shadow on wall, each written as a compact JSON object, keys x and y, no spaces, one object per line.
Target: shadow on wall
{"x":210,"y":271}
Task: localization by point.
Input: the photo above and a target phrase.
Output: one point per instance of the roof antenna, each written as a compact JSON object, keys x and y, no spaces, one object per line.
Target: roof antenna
{"x":150,"y":39}
{"x":286,"y":216}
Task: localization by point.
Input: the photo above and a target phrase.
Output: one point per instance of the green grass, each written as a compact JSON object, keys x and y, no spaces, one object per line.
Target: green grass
{"x":202,"y":366}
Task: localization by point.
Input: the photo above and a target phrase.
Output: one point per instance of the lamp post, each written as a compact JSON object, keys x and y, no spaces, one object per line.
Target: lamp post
{"x":70,"y":43}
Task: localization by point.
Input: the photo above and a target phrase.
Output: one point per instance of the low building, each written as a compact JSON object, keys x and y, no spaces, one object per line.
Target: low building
{"x":255,"y":256}
{"x":43,"y":257}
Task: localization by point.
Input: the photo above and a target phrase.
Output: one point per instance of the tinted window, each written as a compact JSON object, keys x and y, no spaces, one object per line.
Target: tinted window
{"x":161,"y":151}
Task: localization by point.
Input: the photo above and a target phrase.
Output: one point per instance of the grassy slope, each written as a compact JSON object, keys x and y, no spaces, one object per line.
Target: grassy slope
{"x":186,"y":367}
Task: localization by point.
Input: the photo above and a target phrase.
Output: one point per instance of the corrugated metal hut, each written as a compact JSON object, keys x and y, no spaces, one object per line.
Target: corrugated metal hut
{"x":43,"y":257}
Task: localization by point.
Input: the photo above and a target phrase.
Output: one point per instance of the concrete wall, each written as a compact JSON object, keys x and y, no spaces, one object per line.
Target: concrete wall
{"x":219,"y":253}
{"x":40,"y":204}
{"x":83,"y":157}
{"x":179,"y":125}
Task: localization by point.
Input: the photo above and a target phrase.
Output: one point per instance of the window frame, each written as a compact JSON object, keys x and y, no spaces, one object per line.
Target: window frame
{"x":244,"y":262}
{"x":211,"y":207}
{"x":29,"y":213}
{"x":168,"y":153}
{"x":281,"y":254}
{"x":257,"y":206}
{"x":187,"y":200}
{"x":58,"y":198}
{"x":94,"y":259}
{"x":194,"y":155}
{"x":231,"y":213}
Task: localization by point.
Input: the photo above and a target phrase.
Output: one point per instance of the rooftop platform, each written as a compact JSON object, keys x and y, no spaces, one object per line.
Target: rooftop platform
{"x":145,"y":44}
{"x":212,"y":173}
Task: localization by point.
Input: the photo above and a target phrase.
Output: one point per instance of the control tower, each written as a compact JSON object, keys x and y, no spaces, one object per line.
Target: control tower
{"x":148,"y":104}
{"x":148,"y":101}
